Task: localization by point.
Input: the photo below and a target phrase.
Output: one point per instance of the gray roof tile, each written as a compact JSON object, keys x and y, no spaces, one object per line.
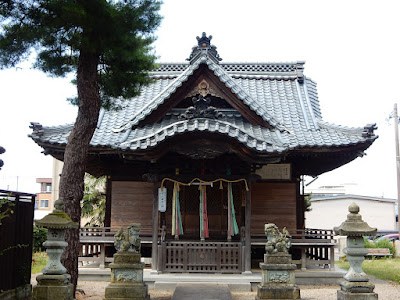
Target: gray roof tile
{"x":273,"y":91}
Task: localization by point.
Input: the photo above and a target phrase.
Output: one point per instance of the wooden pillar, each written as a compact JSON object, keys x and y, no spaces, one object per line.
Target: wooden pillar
{"x":303,"y":259}
{"x":154,"y":247}
{"x":102,"y":255}
{"x":300,"y":206}
{"x":247,"y":248}
{"x":107,"y":217}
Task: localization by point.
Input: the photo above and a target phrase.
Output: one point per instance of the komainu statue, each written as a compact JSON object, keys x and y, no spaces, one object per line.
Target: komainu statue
{"x":128,"y":240}
{"x":277,"y":241}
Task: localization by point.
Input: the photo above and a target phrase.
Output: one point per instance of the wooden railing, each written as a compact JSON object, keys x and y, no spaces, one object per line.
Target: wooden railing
{"x":316,"y":246}
{"x":94,"y":240}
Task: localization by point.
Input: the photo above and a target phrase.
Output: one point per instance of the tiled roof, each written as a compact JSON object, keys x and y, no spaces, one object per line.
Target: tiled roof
{"x":279,"y":93}
{"x":283,"y":70}
{"x":178,"y":81}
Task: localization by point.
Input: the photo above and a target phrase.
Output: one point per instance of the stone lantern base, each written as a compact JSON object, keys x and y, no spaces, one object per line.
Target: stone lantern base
{"x":53,"y":287}
{"x":356,"y":291}
{"x":126,"y":278}
{"x":278,"y":279}
{"x":341,"y":295}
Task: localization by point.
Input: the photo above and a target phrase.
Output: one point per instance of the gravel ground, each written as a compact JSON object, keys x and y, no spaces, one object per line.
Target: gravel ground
{"x":94,"y":290}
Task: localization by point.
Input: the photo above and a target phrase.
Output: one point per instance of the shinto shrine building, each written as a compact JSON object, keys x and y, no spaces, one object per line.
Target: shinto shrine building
{"x":210,"y":152}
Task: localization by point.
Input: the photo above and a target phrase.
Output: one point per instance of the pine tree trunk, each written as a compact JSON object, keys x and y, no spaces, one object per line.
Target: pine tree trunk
{"x":75,"y":156}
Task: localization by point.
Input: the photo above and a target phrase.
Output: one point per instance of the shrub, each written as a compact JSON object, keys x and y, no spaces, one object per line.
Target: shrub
{"x":39,"y":237}
{"x":39,"y":261}
{"x":380,"y":244}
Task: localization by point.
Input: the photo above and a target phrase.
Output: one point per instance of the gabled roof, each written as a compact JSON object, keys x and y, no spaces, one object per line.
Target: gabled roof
{"x":177,"y":82}
{"x":277,"y":93}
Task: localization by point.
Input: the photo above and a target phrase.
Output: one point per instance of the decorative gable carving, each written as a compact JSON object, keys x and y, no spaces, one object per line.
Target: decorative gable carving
{"x":201,"y":109}
{"x":204,"y":89}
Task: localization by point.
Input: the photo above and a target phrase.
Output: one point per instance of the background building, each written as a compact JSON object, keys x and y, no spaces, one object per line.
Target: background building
{"x":44,"y":203}
{"x":331,"y":210}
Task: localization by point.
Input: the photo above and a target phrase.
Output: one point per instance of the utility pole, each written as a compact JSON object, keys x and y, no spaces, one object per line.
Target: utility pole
{"x":396,"y":130}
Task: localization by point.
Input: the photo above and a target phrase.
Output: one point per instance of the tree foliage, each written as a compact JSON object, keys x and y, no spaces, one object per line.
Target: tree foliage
{"x":119,"y":33}
{"x":94,"y":200}
{"x":6,"y":209}
{"x":39,"y":237}
{"x":307,"y":202}
{"x":107,"y":43}
{"x":2,"y":150}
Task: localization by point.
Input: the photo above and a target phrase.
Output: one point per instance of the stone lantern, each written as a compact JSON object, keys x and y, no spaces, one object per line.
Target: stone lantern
{"x":54,"y":283}
{"x":356,"y":284}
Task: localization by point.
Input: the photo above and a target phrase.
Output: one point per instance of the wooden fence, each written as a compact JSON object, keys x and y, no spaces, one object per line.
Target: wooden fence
{"x":16,"y":232}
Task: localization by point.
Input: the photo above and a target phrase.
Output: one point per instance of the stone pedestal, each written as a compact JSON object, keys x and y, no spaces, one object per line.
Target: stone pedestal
{"x":126,"y":278}
{"x":53,"y":287}
{"x":278,"y":279}
{"x":357,"y":291}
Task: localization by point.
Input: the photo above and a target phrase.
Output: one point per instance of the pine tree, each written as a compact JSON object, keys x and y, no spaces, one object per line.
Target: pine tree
{"x":107,"y":43}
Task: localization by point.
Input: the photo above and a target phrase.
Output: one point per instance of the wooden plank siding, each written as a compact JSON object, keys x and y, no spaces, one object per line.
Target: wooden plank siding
{"x":132,"y":202}
{"x":272,"y":202}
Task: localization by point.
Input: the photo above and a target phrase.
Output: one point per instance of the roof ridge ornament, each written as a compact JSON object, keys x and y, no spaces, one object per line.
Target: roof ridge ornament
{"x":204,"y":46}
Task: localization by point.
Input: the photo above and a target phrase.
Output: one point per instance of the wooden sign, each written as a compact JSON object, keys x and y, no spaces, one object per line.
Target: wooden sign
{"x":275,"y":171}
{"x":162,"y":199}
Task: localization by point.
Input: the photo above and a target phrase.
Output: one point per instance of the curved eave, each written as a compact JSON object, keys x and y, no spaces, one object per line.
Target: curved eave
{"x":251,"y":141}
{"x":360,"y":144}
{"x":317,"y":160}
{"x":256,"y":143}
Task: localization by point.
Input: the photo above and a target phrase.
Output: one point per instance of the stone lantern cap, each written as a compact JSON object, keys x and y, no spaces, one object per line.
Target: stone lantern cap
{"x":354,"y":225}
{"x":58,"y":219}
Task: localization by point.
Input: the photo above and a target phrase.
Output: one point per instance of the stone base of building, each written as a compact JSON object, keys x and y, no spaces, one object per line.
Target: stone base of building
{"x":51,"y":287}
{"x":342,"y":295}
{"x":278,"y":292}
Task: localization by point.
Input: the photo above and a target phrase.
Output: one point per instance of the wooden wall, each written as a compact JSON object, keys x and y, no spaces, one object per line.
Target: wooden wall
{"x":131,"y":202}
{"x":273,"y":202}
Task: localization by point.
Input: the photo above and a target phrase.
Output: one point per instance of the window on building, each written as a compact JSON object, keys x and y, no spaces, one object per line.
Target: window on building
{"x":44,"y":203}
{"x":48,"y":188}
{"x":36,"y":204}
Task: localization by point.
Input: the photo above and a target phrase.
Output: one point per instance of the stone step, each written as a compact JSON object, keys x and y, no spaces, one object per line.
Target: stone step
{"x":200,"y":291}
{"x":233,"y":286}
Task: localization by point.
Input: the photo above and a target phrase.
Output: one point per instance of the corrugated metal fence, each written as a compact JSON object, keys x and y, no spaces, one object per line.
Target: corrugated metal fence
{"x":16,"y":231}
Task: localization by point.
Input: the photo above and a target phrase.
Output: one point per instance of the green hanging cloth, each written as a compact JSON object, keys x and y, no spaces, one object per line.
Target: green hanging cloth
{"x":233,"y":228}
{"x":177,"y":227}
